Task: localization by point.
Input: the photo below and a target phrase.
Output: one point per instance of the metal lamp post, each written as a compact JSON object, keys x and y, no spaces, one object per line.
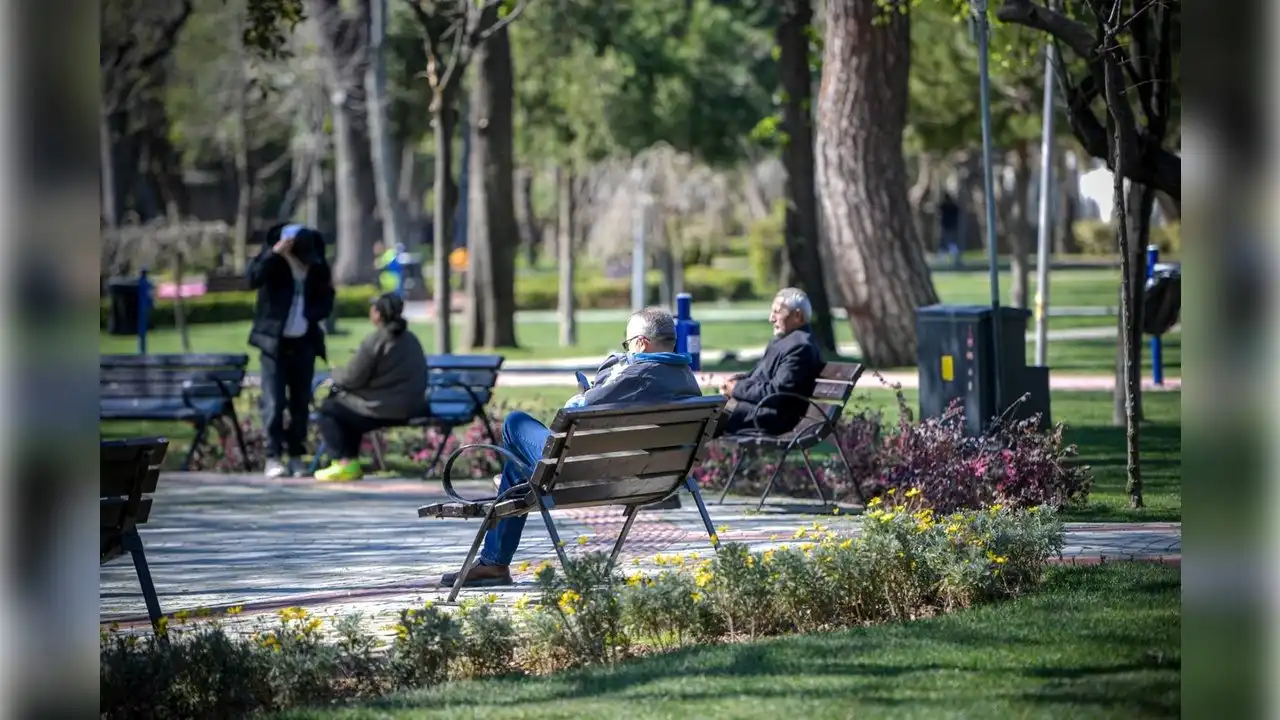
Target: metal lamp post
{"x":988,"y":183}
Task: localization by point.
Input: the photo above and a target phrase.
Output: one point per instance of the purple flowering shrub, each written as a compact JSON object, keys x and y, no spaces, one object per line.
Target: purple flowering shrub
{"x":1015,"y":464}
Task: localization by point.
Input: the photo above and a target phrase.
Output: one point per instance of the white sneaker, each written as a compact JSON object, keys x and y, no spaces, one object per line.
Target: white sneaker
{"x":497,"y":482}
{"x":275,"y":468}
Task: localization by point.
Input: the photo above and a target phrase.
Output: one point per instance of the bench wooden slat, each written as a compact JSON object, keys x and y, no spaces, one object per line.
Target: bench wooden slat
{"x":643,"y":437}
{"x":113,"y":511}
{"x":612,"y":422}
{"x":164,"y":389}
{"x":842,"y":372}
{"x":121,"y":451}
{"x":823,"y":390}
{"x":617,"y":492}
{"x":170,"y":375}
{"x":116,"y":480}
{"x":599,"y":468}
{"x":179,"y":360}
{"x":465,"y":362}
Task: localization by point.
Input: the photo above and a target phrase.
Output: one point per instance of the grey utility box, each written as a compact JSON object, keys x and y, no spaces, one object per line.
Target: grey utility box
{"x":956,"y":354}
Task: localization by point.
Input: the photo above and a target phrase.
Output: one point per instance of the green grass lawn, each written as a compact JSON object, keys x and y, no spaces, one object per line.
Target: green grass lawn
{"x":1096,"y":642}
{"x":1087,"y":415}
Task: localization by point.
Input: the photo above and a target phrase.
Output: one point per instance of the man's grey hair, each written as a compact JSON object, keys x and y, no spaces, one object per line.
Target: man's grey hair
{"x":658,"y":325}
{"x":794,"y":299}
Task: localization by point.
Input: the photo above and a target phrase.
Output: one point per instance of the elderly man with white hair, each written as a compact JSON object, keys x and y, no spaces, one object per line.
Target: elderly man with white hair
{"x":790,"y":364}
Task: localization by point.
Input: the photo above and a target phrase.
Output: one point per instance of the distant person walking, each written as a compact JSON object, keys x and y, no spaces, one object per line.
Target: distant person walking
{"x":295,"y":297}
{"x":949,"y":219}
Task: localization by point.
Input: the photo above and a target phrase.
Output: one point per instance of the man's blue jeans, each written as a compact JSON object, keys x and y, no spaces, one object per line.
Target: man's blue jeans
{"x":524,"y":437}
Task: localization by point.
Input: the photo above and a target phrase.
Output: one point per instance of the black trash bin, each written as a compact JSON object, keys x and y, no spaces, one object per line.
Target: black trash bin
{"x":1162,"y":299}
{"x":956,"y":354}
{"x":123,"y":319}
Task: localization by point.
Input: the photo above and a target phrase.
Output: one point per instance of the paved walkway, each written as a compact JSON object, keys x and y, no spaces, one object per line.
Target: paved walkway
{"x":216,"y":541}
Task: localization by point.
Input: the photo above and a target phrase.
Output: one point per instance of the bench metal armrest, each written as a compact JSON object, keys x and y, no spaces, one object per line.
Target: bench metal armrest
{"x":189,"y":385}
{"x":448,"y":471}
{"x":815,"y":426}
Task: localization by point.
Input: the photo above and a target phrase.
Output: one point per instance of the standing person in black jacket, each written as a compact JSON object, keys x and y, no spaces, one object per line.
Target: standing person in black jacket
{"x":295,"y":296}
{"x":790,"y":364}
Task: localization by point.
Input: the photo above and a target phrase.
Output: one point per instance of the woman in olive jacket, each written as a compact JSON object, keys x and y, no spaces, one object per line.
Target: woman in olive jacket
{"x":384,"y":384}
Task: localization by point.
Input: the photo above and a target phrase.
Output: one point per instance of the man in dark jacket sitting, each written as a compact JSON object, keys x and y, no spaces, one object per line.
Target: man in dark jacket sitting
{"x":650,"y":372}
{"x":790,"y":364}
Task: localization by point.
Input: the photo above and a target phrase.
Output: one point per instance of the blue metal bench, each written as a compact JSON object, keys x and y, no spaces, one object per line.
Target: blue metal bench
{"x":199,"y":389}
{"x":128,"y":473}
{"x":459,"y":387}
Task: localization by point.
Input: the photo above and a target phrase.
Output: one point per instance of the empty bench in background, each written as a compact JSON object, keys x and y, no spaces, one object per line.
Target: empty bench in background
{"x":129,"y":472}
{"x":629,"y":455}
{"x":199,"y":389}
{"x":831,"y":394}
{"x":459,"y":388}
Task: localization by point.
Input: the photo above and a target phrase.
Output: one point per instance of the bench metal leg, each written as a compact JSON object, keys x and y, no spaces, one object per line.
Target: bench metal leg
{"x":321,"y":451}
{"x":545,"y":509}
{"x":375,"y":439}
{"x":857,"y":490}
{"x":471,"y":556}
{"x":488,"y":426}
{"x":632,"y":511}
{"x":692,"y":486}
{"x":132,"y":542}
{"x":446,"y":433}
{"x":804,"y":452}
{"x":733,"y":474}
{"x":202,"y":428}
{"x":244,"y":449}
{"x":777,"y":470}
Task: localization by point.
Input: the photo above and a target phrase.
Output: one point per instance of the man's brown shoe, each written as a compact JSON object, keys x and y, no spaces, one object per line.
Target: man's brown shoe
{"x":480,"y":576}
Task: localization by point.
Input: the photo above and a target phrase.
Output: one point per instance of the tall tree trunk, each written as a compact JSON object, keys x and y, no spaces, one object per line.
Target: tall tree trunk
{"x":526,"y":220}
{"x":565,"y":232}
{"x":491,"y":230}
{"x":801,"y":220}
{"x":350,"y":229}
{"x":442,"y":236}
{"x":1139,"y":203}
{"x":410,"y":200}
{"x":244,"y":182}
{"x":1115,"y":98}
{"x":1020,"y":228}
{"x":384,"y":172}
{"x":862,"y":109}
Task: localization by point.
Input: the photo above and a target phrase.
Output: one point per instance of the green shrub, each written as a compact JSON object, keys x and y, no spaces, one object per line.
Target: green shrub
{"x":1096,"y":237}
{"x":488,"y":640}
{"x":237,"y":307}
{"x":426,"y":642}
{"x":578,"y":614}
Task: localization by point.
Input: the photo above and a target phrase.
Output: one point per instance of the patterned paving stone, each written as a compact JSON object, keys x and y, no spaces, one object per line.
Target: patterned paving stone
{"x":216,"y":541}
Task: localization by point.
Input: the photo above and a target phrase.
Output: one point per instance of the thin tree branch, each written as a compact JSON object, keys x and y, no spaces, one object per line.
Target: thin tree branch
{"x":1075,"y":34}
{"x":503,"y":22}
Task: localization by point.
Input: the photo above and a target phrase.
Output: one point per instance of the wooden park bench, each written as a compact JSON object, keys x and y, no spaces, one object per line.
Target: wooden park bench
{"x":831,"y":393}
{"x":129,"y":471}
{"x":459,"y":388}
{"x":199,"y":389}
{"x":629,"y":455}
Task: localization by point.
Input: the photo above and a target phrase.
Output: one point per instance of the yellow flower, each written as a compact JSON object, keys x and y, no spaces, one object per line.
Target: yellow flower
{"x":293,"y":613}
{"x":633,"y":580}
{"x":846,"y":544}
{"x":567,"y":601}
{"x":235,"y":610}
{"x":523,"y":602}
{"x":886,"y":517}
{"x":952,"y":529}
{"x":703,"y":577}
{"x":875,"y":501}
{"x":891,"y":491}
{"x":722,"y":529}
{"x":696,"y":596}
{"x":912,"y":492}
{"x":523,"y":567}
{"x":182,"y":615}
{"x":806,"y":547}
{"x":767,"y":557}
{"x":773,"y":537}
{"x":583,"y":540}
{"x":491,"y":598}
{"x":799,"y":534}
{"x":659,"y":560}
{"x":835,"y":511}
{"x":635,"y":561}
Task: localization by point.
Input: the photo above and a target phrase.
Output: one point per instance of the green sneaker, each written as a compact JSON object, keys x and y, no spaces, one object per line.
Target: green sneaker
{"x":341,"y":472}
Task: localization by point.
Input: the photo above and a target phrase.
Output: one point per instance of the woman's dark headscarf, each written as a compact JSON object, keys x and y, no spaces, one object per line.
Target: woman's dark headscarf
{"x":308,"y":244}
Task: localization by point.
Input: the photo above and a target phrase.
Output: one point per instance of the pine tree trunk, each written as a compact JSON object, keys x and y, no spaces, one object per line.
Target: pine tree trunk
{"x":526,"y":220}
{"x":384,"y":173}
{"x":1140,"y":200}
{"x":346,"y":184}
{"x":862,"y":110}
{"x":565,"y":232}
{"x":801,"y":221}
{"x":106,"y":161}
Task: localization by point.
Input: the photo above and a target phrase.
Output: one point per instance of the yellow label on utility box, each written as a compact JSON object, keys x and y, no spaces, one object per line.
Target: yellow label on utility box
{"x":948,"y":368}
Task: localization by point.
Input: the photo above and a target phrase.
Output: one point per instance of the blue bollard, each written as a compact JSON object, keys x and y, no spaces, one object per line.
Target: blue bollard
{"x":1157,"y":345}
{"x":688,"y":331}
{"x":144,"y":310}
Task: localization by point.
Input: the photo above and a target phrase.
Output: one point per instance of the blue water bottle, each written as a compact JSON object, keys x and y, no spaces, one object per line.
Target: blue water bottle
{"x":688,"y":331}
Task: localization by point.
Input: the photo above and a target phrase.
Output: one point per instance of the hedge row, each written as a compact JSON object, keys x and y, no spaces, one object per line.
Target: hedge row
{"x":539,"y":292}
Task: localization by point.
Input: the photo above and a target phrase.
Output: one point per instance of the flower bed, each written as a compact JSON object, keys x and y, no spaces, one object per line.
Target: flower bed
{"x":908,"y":561}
